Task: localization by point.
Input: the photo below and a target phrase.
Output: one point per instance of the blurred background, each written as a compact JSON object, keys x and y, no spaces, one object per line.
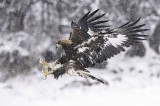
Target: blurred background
{"x":29,"y":29}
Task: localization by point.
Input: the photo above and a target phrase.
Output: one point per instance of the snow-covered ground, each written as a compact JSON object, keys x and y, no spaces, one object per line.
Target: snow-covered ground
{"x":132,"y":82}
{"x":46,"y":94}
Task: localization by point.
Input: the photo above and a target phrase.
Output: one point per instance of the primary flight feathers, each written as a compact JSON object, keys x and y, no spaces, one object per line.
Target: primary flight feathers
{"x":91,"y":41}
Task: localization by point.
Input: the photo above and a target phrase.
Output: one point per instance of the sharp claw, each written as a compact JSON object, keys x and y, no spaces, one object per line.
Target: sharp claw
{"x":44,"y":63}
{"x":45,"y":74}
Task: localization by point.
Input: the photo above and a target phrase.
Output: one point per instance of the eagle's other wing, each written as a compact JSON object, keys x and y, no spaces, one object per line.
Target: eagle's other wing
{"x":89,"y":22}
{"x":105,"y":45}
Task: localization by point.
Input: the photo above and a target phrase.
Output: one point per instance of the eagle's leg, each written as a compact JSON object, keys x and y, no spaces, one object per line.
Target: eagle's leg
{"x":45,"y":74}
{"x":43,"y":62}
{"x":44,"y":65}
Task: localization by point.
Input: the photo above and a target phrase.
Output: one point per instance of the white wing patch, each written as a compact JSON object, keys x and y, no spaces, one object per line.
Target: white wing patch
{"x":101,"y":47}
{"x":117,"y":40}
{"x":110,"y":39}
{"x":82,"y":49}
{"x":90,"y":32}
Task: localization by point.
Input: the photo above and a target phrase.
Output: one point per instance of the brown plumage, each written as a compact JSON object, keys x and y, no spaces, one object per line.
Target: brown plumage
{"x":91,"y":42}
{"x":64,"y":42}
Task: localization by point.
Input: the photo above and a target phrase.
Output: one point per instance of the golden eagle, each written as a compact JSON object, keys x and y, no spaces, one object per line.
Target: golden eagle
{"x":91,"y":41}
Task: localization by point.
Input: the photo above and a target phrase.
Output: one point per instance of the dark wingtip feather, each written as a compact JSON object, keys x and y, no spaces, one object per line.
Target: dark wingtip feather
{"x":97,"y":10}
{"x":98,"y":22}
{"x":94,"y":12}
{"x":91,"y":14}
{"x":84,"y":16}
{"x":137,"y":35}
{"x":138,"y":30}
{"x":139,"y":38}
{"x":124,"y":24}
{"x":136,"y":27}
{"x":99,"y":26}
{"x":96,"y":18}
{"x":135,"y":22}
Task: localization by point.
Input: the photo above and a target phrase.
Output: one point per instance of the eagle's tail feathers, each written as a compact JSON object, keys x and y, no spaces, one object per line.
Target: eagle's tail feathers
{"x":86,"y":74}
{"x":97,"y":79}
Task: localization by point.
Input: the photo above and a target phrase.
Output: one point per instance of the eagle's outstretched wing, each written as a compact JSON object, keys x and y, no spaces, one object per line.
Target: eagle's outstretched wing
{"x":89,"y":22}
{"x":109,"y":43}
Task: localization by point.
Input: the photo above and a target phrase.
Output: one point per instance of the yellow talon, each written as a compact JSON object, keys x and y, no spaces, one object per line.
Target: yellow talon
{"x":44,"y":63}
{"x":45,"y":74}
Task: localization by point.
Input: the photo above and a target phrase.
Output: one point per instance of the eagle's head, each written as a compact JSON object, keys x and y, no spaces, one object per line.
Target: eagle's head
{"x":63,"y":42}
